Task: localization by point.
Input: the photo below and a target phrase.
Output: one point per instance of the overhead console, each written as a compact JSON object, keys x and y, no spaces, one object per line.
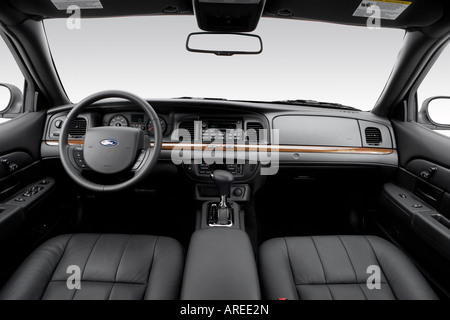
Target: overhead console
{"x":228,"y":15}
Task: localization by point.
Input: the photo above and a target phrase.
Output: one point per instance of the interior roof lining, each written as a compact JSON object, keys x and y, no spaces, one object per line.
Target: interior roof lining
{"x":420,"y":13}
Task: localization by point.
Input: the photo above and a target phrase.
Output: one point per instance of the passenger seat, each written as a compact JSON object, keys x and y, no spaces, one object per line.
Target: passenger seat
{"x":338,"y":268}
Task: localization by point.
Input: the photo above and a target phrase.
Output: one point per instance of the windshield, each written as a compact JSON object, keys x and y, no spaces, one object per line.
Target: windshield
{"x":301,"y":60}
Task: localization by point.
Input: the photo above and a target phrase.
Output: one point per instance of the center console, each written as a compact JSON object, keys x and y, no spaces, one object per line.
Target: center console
{"x":220,"y":264}
{"x":202,"y":171}
{"x":222,"y":213}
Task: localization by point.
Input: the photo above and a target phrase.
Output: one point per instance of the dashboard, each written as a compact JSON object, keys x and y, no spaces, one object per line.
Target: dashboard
{"x":298,"y":136}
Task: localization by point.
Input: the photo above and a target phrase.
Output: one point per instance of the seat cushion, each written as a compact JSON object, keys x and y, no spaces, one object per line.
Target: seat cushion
{"x":111,"y":266}
{"x":336,"y":267}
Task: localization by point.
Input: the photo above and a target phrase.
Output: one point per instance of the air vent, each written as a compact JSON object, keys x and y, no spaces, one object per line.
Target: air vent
{"x":189,"y":126}
{"x":255,"y":126}
{"x":373,"y":136}
{"x":78,"y":128}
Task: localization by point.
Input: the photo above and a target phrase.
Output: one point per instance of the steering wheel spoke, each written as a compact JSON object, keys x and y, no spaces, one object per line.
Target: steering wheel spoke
{"x":77,"y":158}
{"x":142,"y":157}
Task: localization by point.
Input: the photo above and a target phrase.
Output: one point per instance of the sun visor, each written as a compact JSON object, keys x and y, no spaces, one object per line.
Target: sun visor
{"x":102,"y":8}
{"x":392,"y":13}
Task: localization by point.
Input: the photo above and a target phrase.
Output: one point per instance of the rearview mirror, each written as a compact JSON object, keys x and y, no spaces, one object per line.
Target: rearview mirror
{"x":436,"y":111}
{"x":10,"y":98}
{"x":224,"y":43}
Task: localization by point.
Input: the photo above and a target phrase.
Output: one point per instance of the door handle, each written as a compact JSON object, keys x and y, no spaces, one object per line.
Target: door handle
{"x":10,"y":166}
{"x":428,"y":174}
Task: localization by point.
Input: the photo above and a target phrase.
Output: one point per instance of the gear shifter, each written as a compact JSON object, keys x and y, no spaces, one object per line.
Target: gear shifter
{"x":223,"y":180}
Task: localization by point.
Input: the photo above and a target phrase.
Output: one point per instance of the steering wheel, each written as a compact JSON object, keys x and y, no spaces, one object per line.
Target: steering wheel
{"x":110,"y":150}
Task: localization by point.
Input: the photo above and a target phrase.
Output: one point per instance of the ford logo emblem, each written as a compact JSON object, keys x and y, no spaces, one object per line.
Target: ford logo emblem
{"x":109,"y":143}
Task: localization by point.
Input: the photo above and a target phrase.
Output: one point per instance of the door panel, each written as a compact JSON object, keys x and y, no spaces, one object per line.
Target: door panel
{"x":23,"y":133}
{"x":27,"y":214}
{"x":19,"y":165}
{"x":416,"y":204}
{"x":415,"y":141}
{"x":424,"y":161}
{"x":20,"y":151}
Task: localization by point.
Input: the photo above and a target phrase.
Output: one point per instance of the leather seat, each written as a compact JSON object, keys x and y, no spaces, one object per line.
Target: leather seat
{"x":119,"y":267}
{"x":336,"y":267}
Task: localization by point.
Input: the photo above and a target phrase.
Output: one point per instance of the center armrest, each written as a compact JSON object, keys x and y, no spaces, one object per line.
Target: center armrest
{"x":220,"y":265}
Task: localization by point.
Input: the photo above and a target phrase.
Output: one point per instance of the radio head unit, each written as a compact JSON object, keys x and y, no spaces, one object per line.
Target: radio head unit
{"x":224,"y":129}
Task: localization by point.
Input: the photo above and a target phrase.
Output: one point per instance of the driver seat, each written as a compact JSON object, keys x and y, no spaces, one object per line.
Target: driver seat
{"x":112,"y":267}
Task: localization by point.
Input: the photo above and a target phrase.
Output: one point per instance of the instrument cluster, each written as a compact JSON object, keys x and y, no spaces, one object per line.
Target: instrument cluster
{"x":136,"y":120}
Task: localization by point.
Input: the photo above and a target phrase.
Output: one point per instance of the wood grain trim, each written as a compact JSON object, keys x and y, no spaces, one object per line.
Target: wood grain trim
{"x":281,"y":148}
{"x":268,"y":148}
{"x":56,"y":142}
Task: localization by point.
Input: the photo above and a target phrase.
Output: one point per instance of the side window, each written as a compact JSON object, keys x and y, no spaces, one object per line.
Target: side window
{"x":11,"y":82}
{"x":433,"y":95}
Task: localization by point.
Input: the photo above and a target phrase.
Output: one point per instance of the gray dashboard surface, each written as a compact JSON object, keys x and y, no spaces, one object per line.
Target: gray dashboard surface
{"x":317,"y":131}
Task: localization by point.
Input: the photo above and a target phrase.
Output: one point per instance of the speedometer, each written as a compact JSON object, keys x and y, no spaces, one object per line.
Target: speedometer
{"x":151,"y":127}
{"x":118,"y":121}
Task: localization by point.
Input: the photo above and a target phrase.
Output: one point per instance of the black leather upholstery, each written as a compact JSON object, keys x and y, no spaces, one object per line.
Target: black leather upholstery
{"x":112,"y":267}
{"x":335,"y":267}
{"x":220,"y":266}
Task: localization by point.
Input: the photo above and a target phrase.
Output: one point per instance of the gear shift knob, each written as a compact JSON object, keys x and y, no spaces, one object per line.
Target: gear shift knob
{"x":223,"y":180}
